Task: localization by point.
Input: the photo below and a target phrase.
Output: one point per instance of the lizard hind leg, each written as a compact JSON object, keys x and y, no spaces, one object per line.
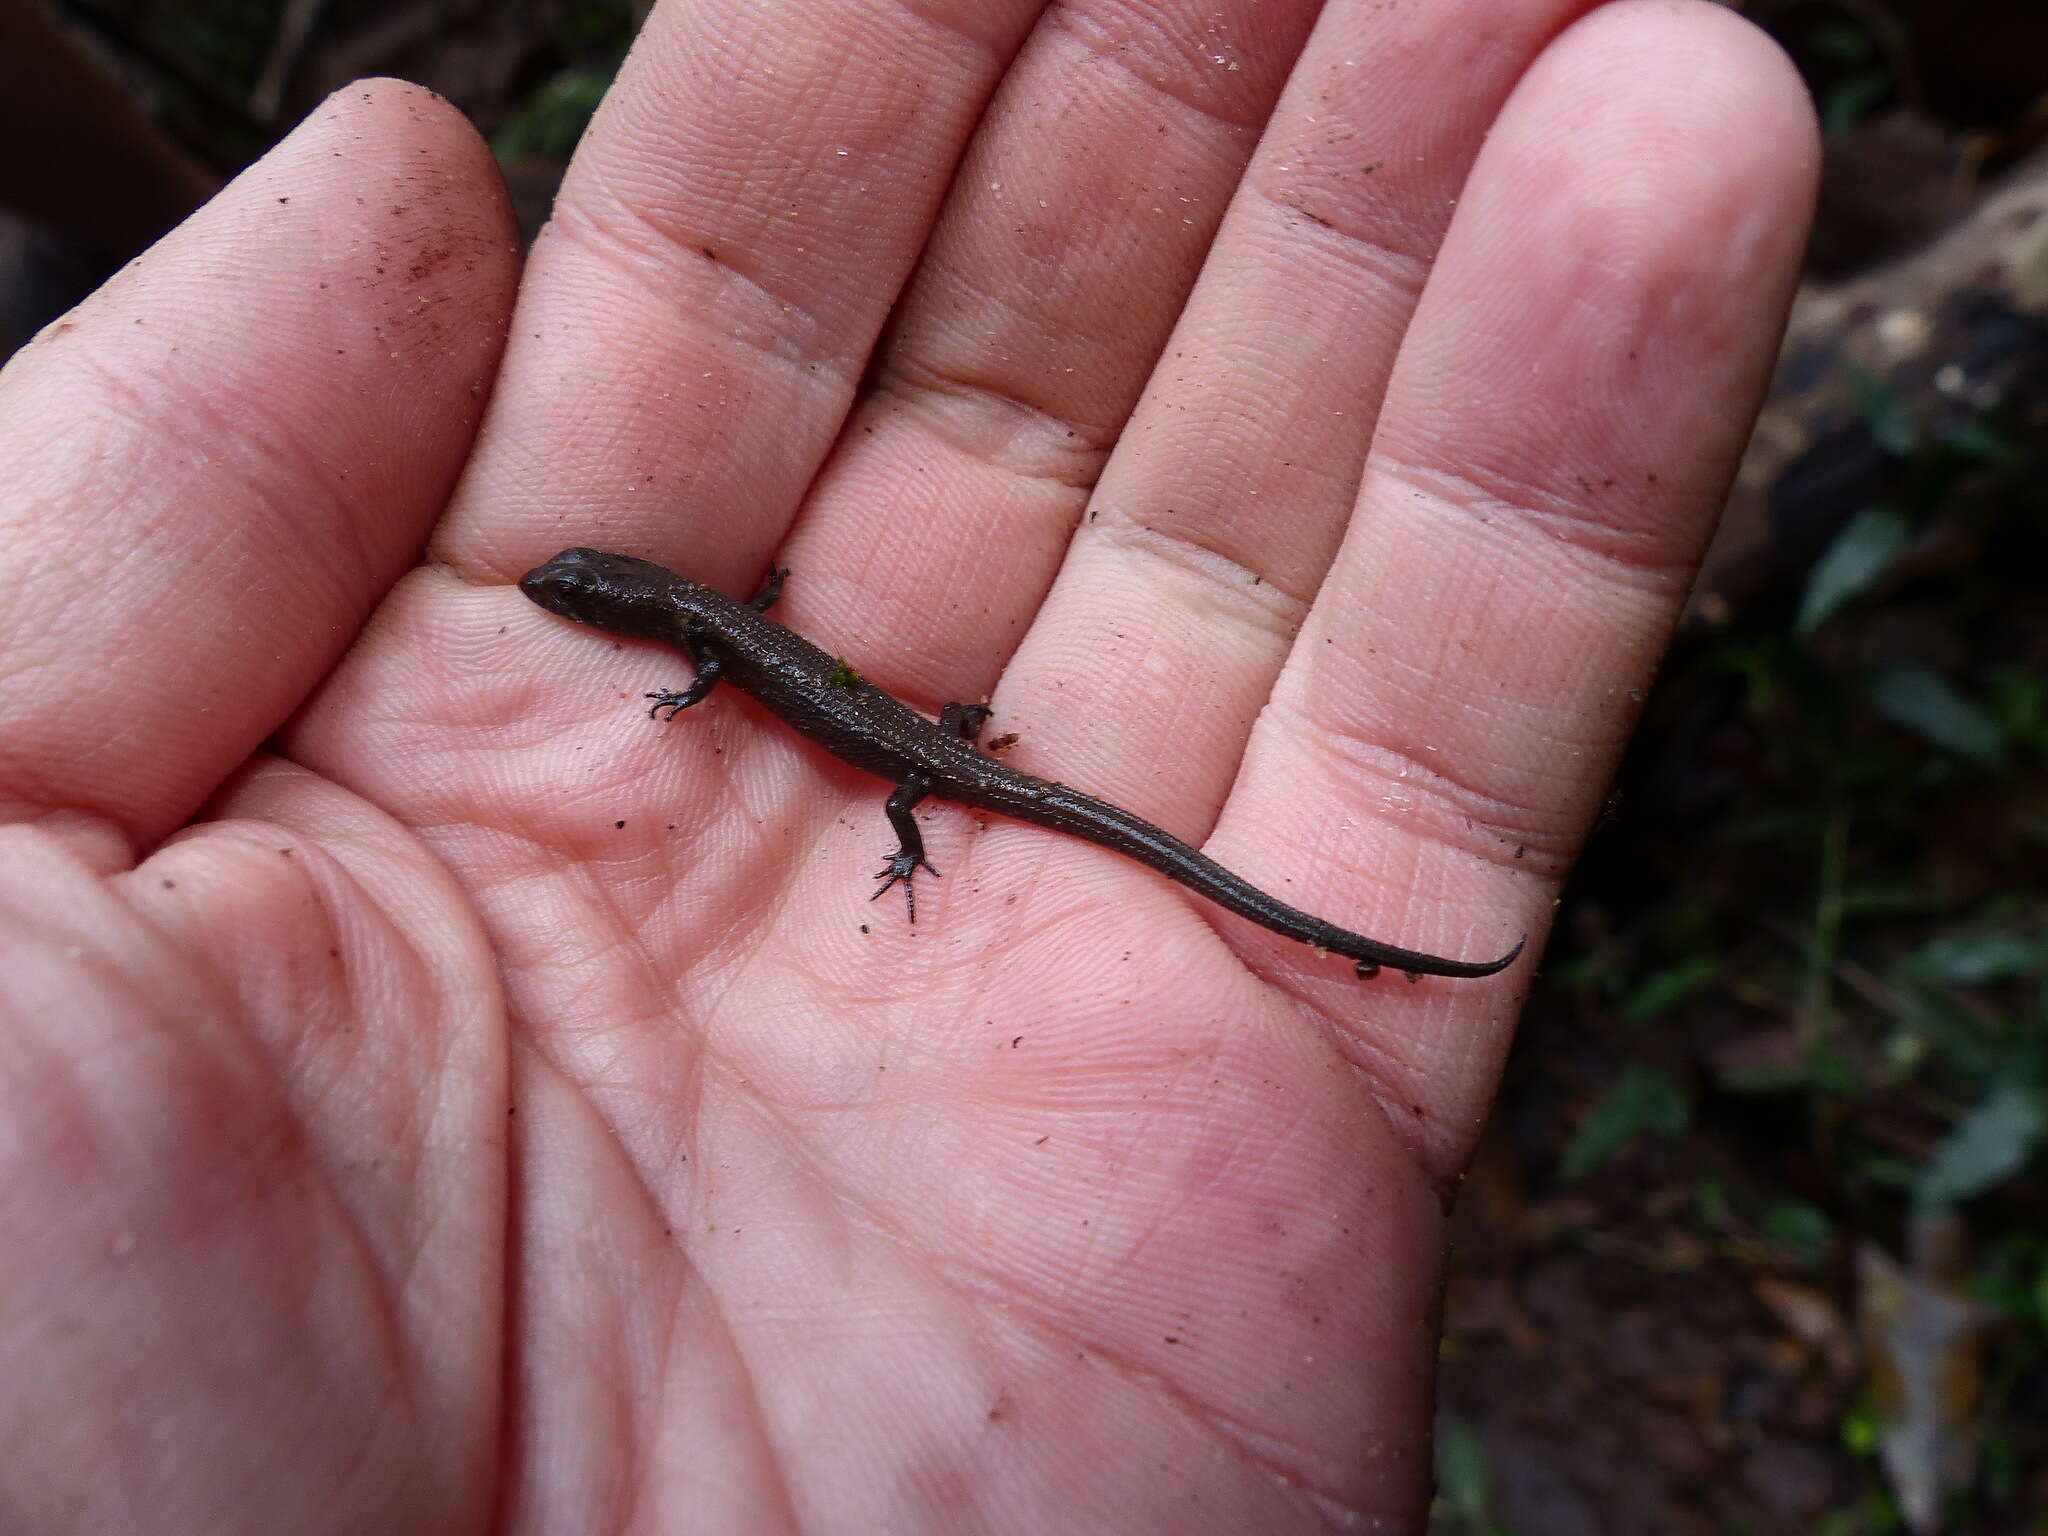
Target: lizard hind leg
{"x":909,"y":857}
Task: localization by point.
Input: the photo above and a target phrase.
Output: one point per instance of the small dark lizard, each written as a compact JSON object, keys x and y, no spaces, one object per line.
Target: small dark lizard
{"x":826,"y":700}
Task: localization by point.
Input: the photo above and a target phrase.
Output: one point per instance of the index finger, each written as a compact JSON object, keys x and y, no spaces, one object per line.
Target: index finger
{"x":220,"y":462}
{"x":728,"y":241}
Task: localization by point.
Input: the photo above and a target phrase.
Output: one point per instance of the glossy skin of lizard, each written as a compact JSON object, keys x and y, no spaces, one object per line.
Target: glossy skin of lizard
{"x":823,"y":699}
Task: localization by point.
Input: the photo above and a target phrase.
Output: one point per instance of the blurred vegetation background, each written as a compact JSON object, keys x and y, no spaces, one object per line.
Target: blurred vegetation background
{"x":1756,"y":1242}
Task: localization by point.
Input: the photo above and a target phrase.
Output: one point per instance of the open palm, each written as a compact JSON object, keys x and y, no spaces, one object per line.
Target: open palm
{"x":485,"y":1105}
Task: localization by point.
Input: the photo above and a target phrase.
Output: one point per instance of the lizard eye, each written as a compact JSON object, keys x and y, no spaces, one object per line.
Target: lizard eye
{"x":554,"y":583}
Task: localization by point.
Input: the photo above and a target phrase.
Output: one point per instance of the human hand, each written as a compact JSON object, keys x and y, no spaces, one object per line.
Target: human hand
{"x":488,"y":1106}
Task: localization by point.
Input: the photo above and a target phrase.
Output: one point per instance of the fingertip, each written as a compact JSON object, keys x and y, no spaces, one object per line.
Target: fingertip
{"x":1682,"y":134}
{"x":1612,"y":286}
{"x":1706,"y":88}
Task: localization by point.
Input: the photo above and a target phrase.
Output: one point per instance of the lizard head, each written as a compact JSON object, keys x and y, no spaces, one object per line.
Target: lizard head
{"x":615,"y":593}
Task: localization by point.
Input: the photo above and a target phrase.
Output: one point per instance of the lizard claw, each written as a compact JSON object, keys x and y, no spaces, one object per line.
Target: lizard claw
{"x":901,"y":867}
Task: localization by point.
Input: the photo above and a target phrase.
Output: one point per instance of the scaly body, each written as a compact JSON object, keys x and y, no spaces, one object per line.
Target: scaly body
{"x":822,"y":698}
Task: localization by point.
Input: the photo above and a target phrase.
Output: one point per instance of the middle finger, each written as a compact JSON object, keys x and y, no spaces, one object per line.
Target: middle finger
{"x":1063,"y":279}
{"x":1067,"y":246}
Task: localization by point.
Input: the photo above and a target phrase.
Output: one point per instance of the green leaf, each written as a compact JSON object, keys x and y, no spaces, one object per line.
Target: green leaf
{"x":1643,"y":1100}
{"x":1664,"y":989}
{"x":1984,"y":1148}
{"x":1712,"y":1200}
{"x":551,"y":120}
{"x":2012,"y":1276}
{"x":1882,"y":1170}
{"x":1850,"y":102}
{"x":1829,"y":1071}
{"x":1861,"y":553}
{"x":2018,"y":700}
{"x":1803,"y":1228}
{"x":1975,"y":960}
{"x":1924,"y":702}
{"x":1977,"y":439}
{"x":1462,"y":1480}
{"x":1884,"y":412}
{"x":1841,"y":44}
{"x":1904,"y":895}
